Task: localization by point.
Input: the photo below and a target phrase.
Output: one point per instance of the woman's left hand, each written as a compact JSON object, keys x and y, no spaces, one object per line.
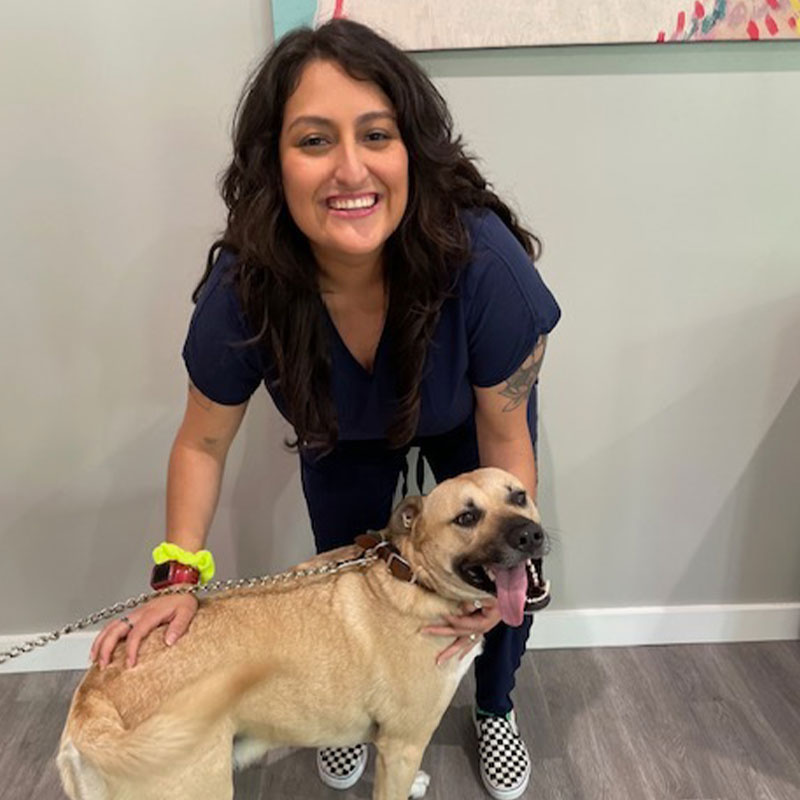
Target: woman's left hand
{"x":466,"y":627}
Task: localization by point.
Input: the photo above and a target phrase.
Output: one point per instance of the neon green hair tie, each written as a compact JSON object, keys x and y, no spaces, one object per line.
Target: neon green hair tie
{"x":202,"y":560}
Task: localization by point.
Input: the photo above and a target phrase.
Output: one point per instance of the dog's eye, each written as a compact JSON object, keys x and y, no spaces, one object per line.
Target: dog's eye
{"x":519,"y":498}
{"x":467,"y":519}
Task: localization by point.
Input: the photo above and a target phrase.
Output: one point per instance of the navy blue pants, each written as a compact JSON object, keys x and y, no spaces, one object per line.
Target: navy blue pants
{"x":351,"y":491}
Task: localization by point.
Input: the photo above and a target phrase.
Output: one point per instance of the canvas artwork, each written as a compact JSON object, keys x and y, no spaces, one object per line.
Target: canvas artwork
{"x":453,"y":24}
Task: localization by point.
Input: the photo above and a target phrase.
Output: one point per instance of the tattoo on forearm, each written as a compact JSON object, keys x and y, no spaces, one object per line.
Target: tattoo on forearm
{"x":518,"y":386}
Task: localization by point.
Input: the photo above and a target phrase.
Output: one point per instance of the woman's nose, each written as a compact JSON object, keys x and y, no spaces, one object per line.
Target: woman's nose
{"x":350,"y":167}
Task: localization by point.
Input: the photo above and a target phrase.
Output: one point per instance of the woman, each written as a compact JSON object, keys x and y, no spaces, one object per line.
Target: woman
{"x":387,"y":298}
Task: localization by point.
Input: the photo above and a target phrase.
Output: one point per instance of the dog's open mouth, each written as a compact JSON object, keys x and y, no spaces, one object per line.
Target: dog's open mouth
{"x":520,"y":590}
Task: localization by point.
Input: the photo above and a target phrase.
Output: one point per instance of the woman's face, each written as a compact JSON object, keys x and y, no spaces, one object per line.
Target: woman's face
{"x":344,"y":165}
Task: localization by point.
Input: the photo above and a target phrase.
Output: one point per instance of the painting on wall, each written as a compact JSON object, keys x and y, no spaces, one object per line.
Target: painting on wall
{"x":454,"y":24}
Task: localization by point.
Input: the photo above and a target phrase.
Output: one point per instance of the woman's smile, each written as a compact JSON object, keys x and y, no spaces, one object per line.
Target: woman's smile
{"x":353,"y":206}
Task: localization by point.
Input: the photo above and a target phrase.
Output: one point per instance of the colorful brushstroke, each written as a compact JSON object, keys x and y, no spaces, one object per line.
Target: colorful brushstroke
{"x":453,"y":24}
{"x":740,"y":20}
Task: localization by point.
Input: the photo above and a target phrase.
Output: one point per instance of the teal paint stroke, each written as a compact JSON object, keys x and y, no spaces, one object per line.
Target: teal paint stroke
{"x":708,"y":22}
{"x":288,"y":14}
{"x":716,"y":15}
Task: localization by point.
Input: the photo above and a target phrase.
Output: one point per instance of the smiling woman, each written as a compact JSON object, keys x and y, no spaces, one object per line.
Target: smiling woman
{"x":387,"y":297}
{"x":345,"y":173}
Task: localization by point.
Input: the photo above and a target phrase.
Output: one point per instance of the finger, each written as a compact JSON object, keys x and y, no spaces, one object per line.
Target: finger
{"x":447,"y":653}
{"x":98,"y":640}
{"x":468,"y":624}
{"x":179,"y":625}
{"x":482,"y":620}
{"x":135,"y":636}
{"x":112,"y":636}
{"x":460,"y":647}
{"x":441,"y":631}
{"x":96,"y":644}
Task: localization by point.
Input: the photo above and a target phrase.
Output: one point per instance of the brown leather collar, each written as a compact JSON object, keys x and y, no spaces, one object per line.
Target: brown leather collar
{"x":398,"y":566}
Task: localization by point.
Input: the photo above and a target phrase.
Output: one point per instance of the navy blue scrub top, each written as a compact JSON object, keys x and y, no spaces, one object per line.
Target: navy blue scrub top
{"x":484,"y":334}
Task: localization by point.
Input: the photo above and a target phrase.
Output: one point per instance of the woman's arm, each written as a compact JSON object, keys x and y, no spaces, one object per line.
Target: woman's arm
{"x":501,"y":421}
{"x":196,"y":465}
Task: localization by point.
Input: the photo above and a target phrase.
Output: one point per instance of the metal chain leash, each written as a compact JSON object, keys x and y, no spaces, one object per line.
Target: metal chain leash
{"x":328,"y":568}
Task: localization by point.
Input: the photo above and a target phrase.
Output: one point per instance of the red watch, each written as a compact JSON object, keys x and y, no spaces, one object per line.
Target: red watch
{"x":171,"y":572}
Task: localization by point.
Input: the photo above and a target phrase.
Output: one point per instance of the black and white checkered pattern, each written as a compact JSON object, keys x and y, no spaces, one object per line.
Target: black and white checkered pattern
{"x":341,"y":767}
{"x":505,"y":764}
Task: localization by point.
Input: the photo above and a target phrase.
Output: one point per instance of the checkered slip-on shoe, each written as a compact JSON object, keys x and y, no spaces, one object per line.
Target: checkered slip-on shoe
{"x":341,"y":767}
{"x":505,"y":764}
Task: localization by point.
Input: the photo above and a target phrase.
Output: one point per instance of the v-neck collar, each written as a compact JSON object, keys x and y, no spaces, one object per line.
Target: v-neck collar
{"x":356,"y":364}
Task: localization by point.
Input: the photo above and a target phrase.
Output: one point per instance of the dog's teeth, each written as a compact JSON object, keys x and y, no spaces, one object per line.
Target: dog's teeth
{"x":490,"y":573}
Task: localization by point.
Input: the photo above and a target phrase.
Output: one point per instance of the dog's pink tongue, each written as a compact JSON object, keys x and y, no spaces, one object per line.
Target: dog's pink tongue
{"x":512,"y":585}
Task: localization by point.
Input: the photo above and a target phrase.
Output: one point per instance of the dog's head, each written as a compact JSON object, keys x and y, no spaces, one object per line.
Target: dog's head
{"x":474,"y":535}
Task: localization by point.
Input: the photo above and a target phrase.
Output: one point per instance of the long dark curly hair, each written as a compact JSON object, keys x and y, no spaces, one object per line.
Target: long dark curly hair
{"x":275,"y":272}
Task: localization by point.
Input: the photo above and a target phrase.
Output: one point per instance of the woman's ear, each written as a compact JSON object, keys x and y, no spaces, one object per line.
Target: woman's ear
{"x":405,"y":515}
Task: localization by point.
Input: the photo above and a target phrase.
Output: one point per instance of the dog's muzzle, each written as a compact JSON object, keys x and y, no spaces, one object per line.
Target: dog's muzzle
{"x":511,"y":569}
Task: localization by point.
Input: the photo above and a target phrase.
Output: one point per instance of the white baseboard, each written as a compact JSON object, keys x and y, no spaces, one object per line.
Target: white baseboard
{"x":69,"y":652}
{"x":553,"y":629}
{"x":649,"y":625}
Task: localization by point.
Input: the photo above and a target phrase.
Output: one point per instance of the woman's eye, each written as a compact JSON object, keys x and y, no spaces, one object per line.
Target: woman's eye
{"x":377,"y":136}
{"x":313,"y":141}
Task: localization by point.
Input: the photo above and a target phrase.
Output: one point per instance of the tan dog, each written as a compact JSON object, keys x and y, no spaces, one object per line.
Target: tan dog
{"x":325,"y":661}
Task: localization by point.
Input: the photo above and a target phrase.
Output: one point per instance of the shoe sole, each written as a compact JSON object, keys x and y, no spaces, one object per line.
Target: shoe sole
{"x":506,"y":794}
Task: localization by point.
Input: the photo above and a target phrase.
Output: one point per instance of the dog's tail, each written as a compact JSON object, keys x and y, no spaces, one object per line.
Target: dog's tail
{"x":99,"y":735}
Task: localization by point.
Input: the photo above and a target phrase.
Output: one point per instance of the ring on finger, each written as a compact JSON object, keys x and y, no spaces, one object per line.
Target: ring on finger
{"x":127,"y":622}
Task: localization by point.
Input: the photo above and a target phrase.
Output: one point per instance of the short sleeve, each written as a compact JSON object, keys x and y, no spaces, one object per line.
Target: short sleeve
{"x":218,"y":365}
{"x":507,"y":305}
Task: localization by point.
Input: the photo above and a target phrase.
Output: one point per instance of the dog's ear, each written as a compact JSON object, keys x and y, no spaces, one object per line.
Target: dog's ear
{"x":405,"y":515}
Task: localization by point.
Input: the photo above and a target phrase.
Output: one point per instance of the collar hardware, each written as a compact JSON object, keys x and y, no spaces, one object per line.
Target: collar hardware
{"x":385,"y":550}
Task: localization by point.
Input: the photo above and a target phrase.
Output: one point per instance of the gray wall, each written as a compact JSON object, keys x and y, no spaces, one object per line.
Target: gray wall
{"x":662,"y":180}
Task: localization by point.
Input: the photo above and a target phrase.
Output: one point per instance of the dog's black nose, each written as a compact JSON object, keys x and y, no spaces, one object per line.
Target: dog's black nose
{"x":526,"y":536}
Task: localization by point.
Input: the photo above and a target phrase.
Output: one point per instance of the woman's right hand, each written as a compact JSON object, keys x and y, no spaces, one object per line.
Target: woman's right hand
{"x":174,"y":610}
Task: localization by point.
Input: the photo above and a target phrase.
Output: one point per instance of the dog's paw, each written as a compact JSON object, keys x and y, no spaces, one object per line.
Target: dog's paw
{"x":420,"y":785}
{"x":247,"y":751}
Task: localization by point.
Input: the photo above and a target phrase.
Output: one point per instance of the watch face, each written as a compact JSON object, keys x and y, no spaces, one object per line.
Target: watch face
{"x":160,"y":573}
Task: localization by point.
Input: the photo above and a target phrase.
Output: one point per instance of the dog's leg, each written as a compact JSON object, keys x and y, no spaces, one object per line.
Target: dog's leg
{"x":396,"y":768}
{"x":207,"y":775}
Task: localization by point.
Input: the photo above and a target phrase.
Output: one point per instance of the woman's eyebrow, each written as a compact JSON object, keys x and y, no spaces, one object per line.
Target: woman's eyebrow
{"x":369,"y":116}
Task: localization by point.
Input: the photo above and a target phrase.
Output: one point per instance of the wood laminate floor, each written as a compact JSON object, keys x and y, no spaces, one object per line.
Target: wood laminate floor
{"x":688,"y":722}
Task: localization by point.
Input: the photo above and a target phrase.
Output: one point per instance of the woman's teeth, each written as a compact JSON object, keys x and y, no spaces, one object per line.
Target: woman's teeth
{"x":357,"y":202}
